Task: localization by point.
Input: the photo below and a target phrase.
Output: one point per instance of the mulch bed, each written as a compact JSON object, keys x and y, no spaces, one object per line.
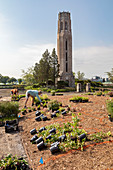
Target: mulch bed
{"x":93,"y":119}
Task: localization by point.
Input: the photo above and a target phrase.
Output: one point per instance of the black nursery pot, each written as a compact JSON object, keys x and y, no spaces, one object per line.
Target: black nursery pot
{"x":74,"y":138}
{"x":23,"y":112}
{"x":34,"y":138}
{"x":57,"y":111}
{"x":64,"y":112}
{"x":48,"y":137}
{"x":54,"y":149}
{"x":38,"y":118}
{"x":55,"y":143}
{"x":40,"y":139}
{"x":53,"y":115}
{"x":44,"y":118}
{"x":33,"y":131}
{"x":41,"y":129}
{"x":82,"y":136}
{"x":38,"y":113}
{"x":62,"y":138}
{"x":52,"y":130}
{"x":41,"y":145}
{"x":110,"y":118}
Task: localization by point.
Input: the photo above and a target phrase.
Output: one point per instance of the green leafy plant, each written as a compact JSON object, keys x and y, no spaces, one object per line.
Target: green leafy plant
{"x":99,"y":93}
{"x":110,"y":107}
{"x":53,"y":105}
{"x":53,"y":92}
{"x":79,"y":99}
{"x":12,"y":162}
{"x":110,"y":94}
{"x":9,"y":108}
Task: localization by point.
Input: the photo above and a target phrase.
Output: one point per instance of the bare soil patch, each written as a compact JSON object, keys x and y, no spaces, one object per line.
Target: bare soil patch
{"x":93,"y":118}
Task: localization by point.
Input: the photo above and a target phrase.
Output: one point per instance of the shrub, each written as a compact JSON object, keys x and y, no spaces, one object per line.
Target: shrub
{"x":99,"y":93}
{"x":54,"y":105}
{"x":53,"y":92}
{"x":9,"y":108}
{"x":10,"y":162}
{"x":110,"y":94}
{"x":79,"y":99}
{"x":110,"y":107}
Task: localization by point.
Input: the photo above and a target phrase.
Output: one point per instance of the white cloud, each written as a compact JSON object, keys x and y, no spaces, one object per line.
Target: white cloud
{"x":22,"y":58}
{"x":93,"y":60}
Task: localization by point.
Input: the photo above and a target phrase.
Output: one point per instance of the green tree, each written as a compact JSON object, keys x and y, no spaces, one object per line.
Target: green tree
{"x":80,"y":75}
{"x":20,"y":80}
{"x":54,"y":66}
{"x":28,"y":76}
{"x":42,"y":70}
{"x":110,"y":75}
{"x":11,"y":80}
{"x":4,"y":79}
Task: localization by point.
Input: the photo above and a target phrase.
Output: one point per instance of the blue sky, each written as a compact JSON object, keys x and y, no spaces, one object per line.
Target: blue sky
{"x":29,"y":27}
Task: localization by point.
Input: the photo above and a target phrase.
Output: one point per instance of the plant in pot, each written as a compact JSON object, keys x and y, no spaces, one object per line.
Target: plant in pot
{"x":99,"y":93}
{"x":85,"y":99}
{"x":29,"y":109}
{"x":38,"y":107}
{"x":110,"y":94}
{"x":110,"y":109}
{"x":34,"y":109}
{"x":9,"y":110}
{"x":53,"y":105}
{"x":44,"y":105}
{"x":45,"y":97}
{"x":23,"y":110}
{"x":12,"y":162}
{"x":53,"y":92}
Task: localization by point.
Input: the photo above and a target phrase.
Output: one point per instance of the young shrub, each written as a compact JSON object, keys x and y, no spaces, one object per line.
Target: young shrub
{"x":110,"y":107}
{"x":53,"y":105}
{"x":7,"y":109}
{"x":53,"y":92}
{"x":110,"y":94}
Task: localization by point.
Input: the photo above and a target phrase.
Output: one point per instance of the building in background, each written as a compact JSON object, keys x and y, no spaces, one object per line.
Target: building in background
{"x":64,"y":48}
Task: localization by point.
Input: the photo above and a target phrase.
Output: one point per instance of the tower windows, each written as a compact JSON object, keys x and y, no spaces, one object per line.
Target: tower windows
{"x":66,"y":67}
{"x":66,"y":45}
{"x":61,"y":26}
{"x":66,"y":56}
{"x":66,"y":25}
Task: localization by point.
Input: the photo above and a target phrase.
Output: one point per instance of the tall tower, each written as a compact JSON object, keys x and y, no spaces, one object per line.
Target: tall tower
{"x":64,"y":48}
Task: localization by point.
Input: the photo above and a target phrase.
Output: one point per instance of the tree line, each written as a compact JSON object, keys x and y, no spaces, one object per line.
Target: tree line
{"x":45,"y":72}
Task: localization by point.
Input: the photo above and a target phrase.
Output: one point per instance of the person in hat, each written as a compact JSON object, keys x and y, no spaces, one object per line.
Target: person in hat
{"x":32,"y":94}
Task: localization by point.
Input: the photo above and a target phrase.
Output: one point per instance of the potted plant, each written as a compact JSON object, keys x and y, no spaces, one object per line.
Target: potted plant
{"x":110,"y":94}
{"x":29,"y":109}
{"x":110,"y":109}
{"x":53,"y":105}
{"x":53,"y":92}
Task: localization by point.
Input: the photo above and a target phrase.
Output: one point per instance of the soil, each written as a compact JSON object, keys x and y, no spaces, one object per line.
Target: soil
{"x":93,"y":119}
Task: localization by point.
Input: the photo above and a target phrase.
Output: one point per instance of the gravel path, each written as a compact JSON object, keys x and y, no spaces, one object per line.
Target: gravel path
{"x":11,"y":143}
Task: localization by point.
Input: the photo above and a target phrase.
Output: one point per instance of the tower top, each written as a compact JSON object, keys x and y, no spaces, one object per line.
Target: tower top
{"x":63,"y":15}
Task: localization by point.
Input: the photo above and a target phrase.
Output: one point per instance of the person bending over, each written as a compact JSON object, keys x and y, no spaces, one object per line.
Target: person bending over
{"x":14,"y":92}
{"x":32,"y":94}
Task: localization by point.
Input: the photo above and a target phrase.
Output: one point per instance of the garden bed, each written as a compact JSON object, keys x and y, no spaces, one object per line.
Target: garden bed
{"x":94,"y":120}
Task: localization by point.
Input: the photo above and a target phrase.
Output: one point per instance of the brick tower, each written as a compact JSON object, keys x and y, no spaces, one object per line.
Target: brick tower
{"x":64,"y":48}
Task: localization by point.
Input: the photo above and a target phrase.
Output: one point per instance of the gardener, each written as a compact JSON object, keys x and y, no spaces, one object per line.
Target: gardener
{"x":14,"y":92}
{"x":32,"y":94}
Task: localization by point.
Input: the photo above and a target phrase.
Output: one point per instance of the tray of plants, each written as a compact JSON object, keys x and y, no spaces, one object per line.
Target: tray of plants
{"x":11,"y":125}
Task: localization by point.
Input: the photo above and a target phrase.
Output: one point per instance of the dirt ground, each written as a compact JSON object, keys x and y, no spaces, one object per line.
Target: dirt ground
{"x":93,"y":119}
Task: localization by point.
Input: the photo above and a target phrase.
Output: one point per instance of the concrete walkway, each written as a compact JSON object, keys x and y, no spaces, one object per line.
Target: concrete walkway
{"x":11,"y":143}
